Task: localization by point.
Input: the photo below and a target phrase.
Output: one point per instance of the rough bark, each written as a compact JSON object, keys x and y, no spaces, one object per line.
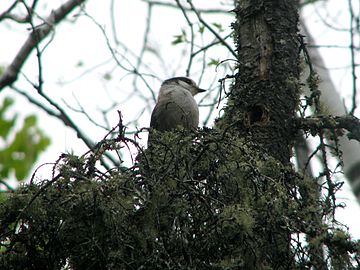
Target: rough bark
{"x":264,"y":97}
{"x":263,"y":100}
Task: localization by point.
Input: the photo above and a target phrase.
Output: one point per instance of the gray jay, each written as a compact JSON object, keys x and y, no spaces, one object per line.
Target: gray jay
{"x":176,"y":106}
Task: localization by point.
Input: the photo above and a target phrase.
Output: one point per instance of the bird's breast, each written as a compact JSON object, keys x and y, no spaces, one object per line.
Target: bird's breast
{"x":176,"y":108}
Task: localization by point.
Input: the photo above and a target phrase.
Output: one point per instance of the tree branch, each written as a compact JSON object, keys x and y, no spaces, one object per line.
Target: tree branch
{"x":36,"y":36}
{"x":222,"y":40}
{"x":61,"y":115}
{"x":348,"y":122}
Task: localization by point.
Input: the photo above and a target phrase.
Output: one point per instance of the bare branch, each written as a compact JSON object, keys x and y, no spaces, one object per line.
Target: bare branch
{"x":6,"y":14}
{"x":222,"y":40}
{"x":36,"y":36}
{"x":61,"y":115}
{"x":146,"y":37}
{"x":348,"y":122}
{"x":207,"y":10}
{"x":352,"y":52}
{"x":113,"y":52}
{"x":144,"y":48}
{"x":192,"y":36}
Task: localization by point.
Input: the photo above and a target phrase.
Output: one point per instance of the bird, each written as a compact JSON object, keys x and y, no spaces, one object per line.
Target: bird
{"x":176,"y":106}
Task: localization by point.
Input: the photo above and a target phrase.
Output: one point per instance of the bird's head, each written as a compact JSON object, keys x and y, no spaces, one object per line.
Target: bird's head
{"x":183,"y":82}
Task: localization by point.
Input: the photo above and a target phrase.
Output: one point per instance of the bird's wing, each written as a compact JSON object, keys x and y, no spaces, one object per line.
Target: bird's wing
{"x":166,"y":116}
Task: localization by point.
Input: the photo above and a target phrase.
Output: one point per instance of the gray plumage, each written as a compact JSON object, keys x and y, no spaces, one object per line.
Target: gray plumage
{"x":176,"y":106}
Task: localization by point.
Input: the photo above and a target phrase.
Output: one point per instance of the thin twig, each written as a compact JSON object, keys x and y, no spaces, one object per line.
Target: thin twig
{"x":36,"y":36}
{"x":192,"y":40}
{"x":353,"y":64}
{"x":118,"y":62}
{"x":222,"y":40}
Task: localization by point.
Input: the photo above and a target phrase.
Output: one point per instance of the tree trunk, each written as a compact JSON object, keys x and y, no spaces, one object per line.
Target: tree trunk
{"x":264,"y":98}
{"x":265,"y":95}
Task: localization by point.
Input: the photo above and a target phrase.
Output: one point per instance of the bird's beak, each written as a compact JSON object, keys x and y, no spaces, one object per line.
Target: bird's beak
{"x":200,"y":90}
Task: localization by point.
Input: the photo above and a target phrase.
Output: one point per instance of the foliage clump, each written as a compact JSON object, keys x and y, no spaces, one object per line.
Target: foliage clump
{"x":19,"y":153}
{"x":192,"y":201}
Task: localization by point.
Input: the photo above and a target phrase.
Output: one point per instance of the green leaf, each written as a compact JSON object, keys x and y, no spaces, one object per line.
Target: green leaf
{"x":6,"y":124}
{"x":201,"y":29}
{"x":214,"y":62}
{"x":80,"y":63}
{"x":107,"y":76}
{"x":179,"y":38}
{"x":21,"y":152}
{"x":218,"y":26}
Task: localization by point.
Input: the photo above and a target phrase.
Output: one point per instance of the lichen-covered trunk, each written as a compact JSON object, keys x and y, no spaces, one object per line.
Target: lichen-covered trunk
{"x":264,"y":98}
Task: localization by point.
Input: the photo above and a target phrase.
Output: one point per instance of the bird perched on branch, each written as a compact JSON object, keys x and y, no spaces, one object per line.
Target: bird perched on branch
{"x":176,"y":106}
